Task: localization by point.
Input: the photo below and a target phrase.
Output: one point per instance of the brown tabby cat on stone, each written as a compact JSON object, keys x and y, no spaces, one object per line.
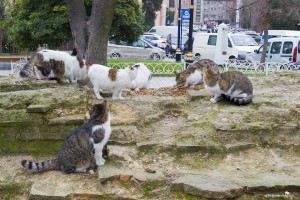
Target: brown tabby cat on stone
{"x":233,"y":86}
{"x":82,"y":147}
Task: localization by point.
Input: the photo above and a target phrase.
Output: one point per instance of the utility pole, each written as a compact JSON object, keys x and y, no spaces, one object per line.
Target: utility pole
{"x":189,"y":55}
{"x":178,"y":52}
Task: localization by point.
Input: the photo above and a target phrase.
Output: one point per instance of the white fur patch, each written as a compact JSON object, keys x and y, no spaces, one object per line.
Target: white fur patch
{"x":215,"y":89}
{"x":98,"y":75}
{"x":142,"y":79}
{"x":73,"y":71}
{"x":195,"y":78}
{"x":99,"y":147}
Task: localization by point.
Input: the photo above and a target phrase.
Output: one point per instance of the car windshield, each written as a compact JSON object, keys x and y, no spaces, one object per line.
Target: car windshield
{"x":243,"y":40}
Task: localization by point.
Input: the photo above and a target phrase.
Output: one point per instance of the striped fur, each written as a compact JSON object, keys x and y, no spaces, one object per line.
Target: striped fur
{"x":81,"y":149}
{"x":233,"y":86}
{"x":239,"y":101}
{"x":42,"y":166}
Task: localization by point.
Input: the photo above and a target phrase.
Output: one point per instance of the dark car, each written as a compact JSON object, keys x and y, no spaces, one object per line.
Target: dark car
{"x":171,"y":45}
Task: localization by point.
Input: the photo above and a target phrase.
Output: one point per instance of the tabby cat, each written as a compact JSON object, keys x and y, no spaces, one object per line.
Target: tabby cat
{"x":188,"y":77}
{"x":82,"y":147}
{"x":233,"y":86}
{"x":192,"y":75}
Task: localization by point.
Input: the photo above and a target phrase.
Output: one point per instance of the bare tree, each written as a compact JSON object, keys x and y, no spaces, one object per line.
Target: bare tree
{"x":90,"y":33}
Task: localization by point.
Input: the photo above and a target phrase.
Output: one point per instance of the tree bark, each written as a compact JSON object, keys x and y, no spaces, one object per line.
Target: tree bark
{"x":264,"y":52}
{"x":91,"y":35}
{"x":78,"y":22}
{"x":98,"y":29}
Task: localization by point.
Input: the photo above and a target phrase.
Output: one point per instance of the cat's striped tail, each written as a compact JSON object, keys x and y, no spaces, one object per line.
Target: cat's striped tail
{"x":42,"y":166}
{"x":240,"y":101}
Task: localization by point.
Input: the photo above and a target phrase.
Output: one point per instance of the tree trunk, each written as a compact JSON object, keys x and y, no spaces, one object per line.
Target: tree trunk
{"x":91,"y":35}
{"x":98,"y":28}
{"x":264,"y":52}
{"x":78,"y":23}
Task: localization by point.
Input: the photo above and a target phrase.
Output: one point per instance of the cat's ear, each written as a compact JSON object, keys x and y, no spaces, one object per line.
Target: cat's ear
{"x":92,"y":110}
{"x":136,"y":66}
{"x":105,"y":105}
{"x":176,"y":72}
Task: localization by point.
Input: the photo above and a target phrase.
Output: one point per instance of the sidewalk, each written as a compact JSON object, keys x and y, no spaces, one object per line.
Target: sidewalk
{"x":158,"y":82}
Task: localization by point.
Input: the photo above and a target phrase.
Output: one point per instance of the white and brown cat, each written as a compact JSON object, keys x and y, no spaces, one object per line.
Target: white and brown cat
{"x":101,"y":77}
{"x":82,"y":147}
{"x":46,"y":64}
{"x":233,"y":86}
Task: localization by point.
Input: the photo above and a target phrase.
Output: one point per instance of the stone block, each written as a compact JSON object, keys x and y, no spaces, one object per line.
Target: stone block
{"x":197,"y":94}
{"x":37,"y":108}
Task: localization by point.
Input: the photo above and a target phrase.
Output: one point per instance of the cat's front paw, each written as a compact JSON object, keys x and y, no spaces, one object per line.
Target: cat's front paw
{"x":100,"y":162}
{"x":99,"y":97}
{"x":213,"y":100}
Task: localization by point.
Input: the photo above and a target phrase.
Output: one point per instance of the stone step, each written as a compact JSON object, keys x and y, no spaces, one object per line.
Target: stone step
{"x":254,"y":172}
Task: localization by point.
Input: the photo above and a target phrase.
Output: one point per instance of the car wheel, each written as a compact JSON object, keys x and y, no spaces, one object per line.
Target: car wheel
{"x":155,"y":56}
{"x":115,"y":56}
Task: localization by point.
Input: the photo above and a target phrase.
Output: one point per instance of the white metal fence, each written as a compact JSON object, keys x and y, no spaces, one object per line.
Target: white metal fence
{"x":168,"y":66}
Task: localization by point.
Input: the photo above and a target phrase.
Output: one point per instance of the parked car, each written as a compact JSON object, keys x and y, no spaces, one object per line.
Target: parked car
{"x":281,"y":49}
{"x":140,"y":48}
{"x":172,"y":44}
{"x":161,"y":43}
{"x":254,"y":35}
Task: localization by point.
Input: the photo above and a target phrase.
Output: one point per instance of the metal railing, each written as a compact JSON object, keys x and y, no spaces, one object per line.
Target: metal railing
{"x":168,"y":66}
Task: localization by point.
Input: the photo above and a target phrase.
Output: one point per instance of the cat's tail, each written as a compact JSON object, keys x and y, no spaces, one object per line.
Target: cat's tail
{"x":42,"y":166}
{"x":240,"y":101}
{"x":27,"y":68}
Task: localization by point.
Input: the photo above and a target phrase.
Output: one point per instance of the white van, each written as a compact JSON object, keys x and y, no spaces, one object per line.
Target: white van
{"x":204,"y":45}
{"x":282,"y":49}
{"x":164,"y":31}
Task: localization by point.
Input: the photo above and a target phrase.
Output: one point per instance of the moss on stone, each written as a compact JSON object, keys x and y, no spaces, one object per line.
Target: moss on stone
{"x":14,"y":191}
{"x":36,"y":147}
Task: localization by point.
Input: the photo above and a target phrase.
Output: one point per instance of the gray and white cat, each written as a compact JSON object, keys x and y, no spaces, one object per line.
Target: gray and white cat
{"x":233,"y":86}
{"x":80,"y":149}
{"x":191,"y":76}
{"x":47,"y":64}
{"x":101,"y":77}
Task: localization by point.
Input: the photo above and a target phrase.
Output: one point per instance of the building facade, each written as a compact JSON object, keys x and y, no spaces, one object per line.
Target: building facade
{"x":205,"y":11}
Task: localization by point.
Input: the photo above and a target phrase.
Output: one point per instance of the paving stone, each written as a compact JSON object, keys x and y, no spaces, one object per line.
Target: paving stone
{"x":206,"y":187}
